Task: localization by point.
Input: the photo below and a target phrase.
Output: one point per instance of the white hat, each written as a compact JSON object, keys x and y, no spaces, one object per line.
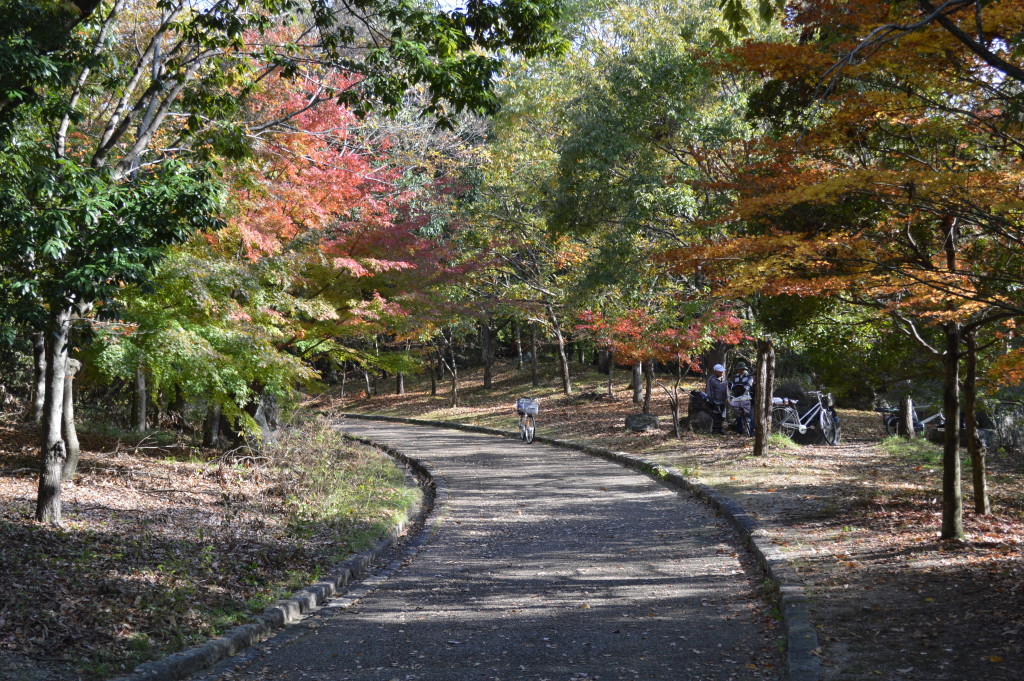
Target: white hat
{"x":718,"y":367}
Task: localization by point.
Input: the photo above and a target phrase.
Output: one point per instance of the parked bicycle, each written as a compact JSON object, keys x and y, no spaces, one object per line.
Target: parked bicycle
{"x":891,"y":420}
{"x":821,"y":416}
{"x":527,"y":409}
{"x":742,"y":409}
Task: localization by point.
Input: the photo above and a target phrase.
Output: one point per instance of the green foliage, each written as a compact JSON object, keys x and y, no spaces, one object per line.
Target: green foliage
{"x":738,"y":15}
{"x":73,"y":233}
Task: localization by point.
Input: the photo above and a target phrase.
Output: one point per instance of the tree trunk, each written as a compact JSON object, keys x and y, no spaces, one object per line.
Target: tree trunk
{"x":160,"y":418}
{"x":975,"y":446}
{"x":519,"y":346}
{"x":906,"y":422}
{"x":648,"y":382}
{"x":764,"y":386}
{"x":177,"y":408}
{"x":454,"y":368}
{"x":563,"y":358}
{"x":952,"y":494}
{"x":68,"y":420}
{"x":369,"y":386}
{"x":611,"y":373}
{"x":716,"y":355}
{"x":344,"y":378}
{"x":399,"y":383}
{"x":211,"y":427}
{"x":534,"y":378}
{"x":486,"y":353}
{"x":54,"y":450}
{"x":38,"y":376}
{"x":433,"y":379}
{"x":638,"y":382}
{"x":139,"y":401}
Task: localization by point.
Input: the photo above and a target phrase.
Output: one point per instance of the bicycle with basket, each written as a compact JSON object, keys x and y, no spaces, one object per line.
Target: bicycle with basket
{"x":527,"y":409}
{"x":820,"y":415}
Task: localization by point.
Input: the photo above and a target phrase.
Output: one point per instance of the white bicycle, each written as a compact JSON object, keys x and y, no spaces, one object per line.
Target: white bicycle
{"x":527,"y":409}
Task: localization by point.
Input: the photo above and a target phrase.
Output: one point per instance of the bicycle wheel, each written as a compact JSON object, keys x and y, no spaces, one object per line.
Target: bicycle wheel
{"x":829,"y":427}
{"x":529,"y":428}
{"x":892,"y":422}
{"x":785,"y":421}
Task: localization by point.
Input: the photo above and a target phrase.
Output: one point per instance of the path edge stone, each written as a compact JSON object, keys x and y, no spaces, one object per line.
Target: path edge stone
{"x":185,"y":663}
{"x":802,"y":660}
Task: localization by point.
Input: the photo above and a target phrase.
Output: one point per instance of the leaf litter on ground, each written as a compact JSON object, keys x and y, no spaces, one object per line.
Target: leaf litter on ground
{"x":859,"y":521}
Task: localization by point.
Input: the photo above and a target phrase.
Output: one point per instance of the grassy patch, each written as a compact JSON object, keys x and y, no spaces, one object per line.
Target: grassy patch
{"x":916,"y":451}
{"x":779,"y":442}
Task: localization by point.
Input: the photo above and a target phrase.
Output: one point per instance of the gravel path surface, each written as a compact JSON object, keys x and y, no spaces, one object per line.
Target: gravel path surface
{"x":544,"y":564}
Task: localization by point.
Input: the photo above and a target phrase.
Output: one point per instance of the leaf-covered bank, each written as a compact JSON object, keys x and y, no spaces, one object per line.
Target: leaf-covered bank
{"x":165,"y":547}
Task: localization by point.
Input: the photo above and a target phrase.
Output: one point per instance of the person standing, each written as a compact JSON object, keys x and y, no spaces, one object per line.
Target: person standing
{"x":718,"y":396}
{"x":742,"y":390}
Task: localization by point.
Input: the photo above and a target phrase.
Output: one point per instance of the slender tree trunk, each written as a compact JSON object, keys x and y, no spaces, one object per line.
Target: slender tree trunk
{"x":54,"y":449}
{"x":534,"y":377}
{"x":369,"y":385}
{"x":952,"y":493}
{"x":38,"y":376}
{"x":563,"y":358}
{"x":344,"y":378}
{"x":454,"y":368}
{"x":674,"y":406}
{"x":400,"y":377}
{"x":975,"y":446}
{"x":433,"y":378}
{"x":139,"y":406}
{"x":638,"y":382}
{"x":648,"y":382}
{"x":160,"y":418}
{"x":764,"y":386}
{"x":906,"y":423}
{"x":611,"y":372}
{"x":211,"y":427}
{"x":486,"y":353}
{"x":519,"y":346}
{"x":68,"y":419}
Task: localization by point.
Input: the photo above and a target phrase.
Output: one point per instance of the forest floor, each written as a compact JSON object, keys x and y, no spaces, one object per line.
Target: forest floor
{"x":860,"y":522}
{"x":163,"y":546}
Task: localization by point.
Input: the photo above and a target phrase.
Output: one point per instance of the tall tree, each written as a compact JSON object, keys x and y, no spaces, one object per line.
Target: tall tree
{"x":109,"y":156}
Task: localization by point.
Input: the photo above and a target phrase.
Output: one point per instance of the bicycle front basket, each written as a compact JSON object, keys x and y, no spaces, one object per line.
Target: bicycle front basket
{"x":528,"y":406}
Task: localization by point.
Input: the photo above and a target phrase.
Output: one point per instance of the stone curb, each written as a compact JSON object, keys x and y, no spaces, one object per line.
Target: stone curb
{"x":187,"y":662}
{"x":802,"y":661}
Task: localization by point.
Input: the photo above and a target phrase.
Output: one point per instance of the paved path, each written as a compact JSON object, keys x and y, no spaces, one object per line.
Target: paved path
{"x":544,"y":564}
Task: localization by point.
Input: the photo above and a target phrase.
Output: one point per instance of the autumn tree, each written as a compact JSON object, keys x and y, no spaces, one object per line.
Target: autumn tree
{"x":110,"y":154}
{"x":892,"y":187}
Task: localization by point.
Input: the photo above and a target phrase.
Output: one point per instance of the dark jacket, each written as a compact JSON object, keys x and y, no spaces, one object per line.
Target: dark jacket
{"x":718,"y":390}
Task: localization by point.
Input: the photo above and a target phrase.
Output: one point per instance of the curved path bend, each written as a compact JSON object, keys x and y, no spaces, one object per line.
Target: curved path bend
{"x":544,"y":564}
